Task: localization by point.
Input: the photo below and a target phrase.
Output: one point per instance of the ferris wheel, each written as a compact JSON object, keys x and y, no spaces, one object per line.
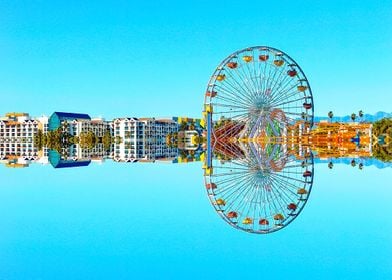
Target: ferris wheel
{"x":259,"y":80}
{"x":254,"y":100}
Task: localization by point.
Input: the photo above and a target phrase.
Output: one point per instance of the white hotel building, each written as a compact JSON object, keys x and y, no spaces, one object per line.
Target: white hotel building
{"x":143,"y":139}
{"x":17,"y":131}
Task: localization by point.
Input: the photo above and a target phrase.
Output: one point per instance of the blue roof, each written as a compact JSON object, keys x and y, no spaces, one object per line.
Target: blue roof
{"x":57,"y":118}
{"x":57,"y":162}
{"x":72,"y":115}
{"x":65,"y":164}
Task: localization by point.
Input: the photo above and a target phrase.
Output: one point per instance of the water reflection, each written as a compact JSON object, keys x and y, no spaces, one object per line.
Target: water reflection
{"x":258,"y":180}
{"x":263,"y":191}
{"x":258,"y":140}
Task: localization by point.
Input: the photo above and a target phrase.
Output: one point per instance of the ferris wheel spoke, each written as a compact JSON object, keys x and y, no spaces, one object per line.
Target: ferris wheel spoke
{"x":289,"y":96}
{"x":285,"y":185}
{"x":252,"y":77}
{"x":263,"y":80}
{"x":232,"y":168}
{"x":277,"y":199}
{"x":291,"y":107}
{"x":248,"y":91}
{"x":243,"y":115}
{"x":226,"y":105}
{"x":230,"y":182}
{"x":240,"y":88}
{"x":289,"y":102}
{"x":274,"y":203}
{"x":287,"y":80}
{"x":274,"y":77}
{"x":241,"y":197}
{"x":231,"y":186}
{"x":232,"y":94}
{"x":292,"y":185}
{"x":284,"y":94}
{"x":226,"y":174}
{"x":229,"y":177}
{"x":234,"y":90}
{"x":245,"y":78}
{"x":231,"y":101}
{"x":232,"y":193}
{"x":278,"y":81}
{"x":292,"y":113}
{"x":290,"y":178}
{"x":231,"y":111}
{"x":289,"y":189}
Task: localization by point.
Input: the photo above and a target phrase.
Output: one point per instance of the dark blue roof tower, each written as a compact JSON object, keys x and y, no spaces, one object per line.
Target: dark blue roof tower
{"x":57,"y":117}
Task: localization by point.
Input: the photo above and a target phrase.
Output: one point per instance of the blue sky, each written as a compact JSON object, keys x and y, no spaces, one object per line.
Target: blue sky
{"x":155,"y":58}
{"x":144,"y":58}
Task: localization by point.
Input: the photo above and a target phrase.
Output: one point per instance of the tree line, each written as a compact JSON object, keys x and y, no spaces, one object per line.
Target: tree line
{"x":58,"y":140}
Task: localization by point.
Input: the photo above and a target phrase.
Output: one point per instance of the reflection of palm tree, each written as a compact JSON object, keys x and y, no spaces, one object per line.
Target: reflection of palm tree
{"x":360,"y":166}
{"x":353,"y":163}
{"x":330,"y":115}
{"x":330,"y":165}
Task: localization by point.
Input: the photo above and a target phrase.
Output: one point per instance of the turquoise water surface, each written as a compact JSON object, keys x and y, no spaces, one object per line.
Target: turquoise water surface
{"x":155,"y":221}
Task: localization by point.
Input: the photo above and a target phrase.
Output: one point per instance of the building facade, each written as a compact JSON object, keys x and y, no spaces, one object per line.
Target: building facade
{"x":143,"y":139}
{"x":133,"y":139}
{"x":17,"y":132}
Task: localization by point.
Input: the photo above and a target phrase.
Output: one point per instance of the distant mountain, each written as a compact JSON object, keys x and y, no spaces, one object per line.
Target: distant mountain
{"x":366,"y":117}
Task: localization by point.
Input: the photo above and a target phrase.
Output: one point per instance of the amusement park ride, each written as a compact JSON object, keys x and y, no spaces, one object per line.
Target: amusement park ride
{"x":262,"y":139}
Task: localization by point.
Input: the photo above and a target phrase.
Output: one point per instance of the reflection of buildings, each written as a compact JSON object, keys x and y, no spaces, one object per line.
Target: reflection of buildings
{"x":329,"y":140}
{"x":145,"y":139}
{"x":132,"y":139}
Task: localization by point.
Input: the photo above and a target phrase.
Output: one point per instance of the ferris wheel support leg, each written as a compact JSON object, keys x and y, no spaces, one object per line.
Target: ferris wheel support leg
{"x":255,"y":153}
{"x":259,"y":123}
{"x":209,"y":140}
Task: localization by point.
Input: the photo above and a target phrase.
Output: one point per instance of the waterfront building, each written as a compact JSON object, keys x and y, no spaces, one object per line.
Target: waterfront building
{"x":17,"y":132}
{"x":75,"y":124}
{"x":143,"y":139}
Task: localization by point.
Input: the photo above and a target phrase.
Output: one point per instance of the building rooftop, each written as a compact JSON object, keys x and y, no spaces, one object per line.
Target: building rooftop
{"x":72,"y":115}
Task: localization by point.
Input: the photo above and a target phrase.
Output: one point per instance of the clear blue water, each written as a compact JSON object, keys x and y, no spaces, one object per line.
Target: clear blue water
{"x":126,"y":221}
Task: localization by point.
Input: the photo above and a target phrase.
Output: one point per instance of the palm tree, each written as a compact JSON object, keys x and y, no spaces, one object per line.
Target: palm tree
{"x":353,"y":116}
{"x":330,"y":165}
{"x":330,"y":115}
{"x":360,"y":114}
